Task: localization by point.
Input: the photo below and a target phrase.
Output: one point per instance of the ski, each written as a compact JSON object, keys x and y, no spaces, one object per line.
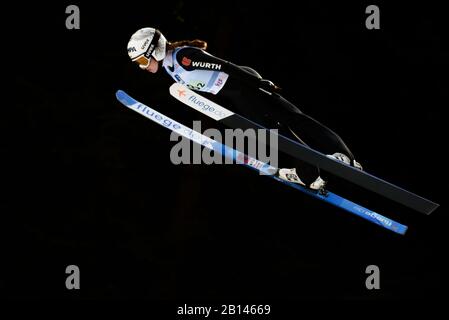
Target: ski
{"x":299,"y":151}
{"x":255,"y":164}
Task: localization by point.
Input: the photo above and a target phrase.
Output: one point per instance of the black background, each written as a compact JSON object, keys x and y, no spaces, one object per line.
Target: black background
{"x":90,"y":183}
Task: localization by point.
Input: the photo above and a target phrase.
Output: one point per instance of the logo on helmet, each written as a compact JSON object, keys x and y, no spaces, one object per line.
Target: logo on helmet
{"x":145,"y":44}
{"x":132,"y":49}
{"x":149,"y":51}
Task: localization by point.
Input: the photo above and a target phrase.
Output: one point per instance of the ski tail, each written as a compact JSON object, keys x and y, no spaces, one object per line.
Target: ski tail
{"x":257,"y":165}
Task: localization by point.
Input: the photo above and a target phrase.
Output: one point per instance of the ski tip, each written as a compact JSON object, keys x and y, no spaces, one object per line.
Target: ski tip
{"x":175,"y":88}
{"x":402,"y":230}
{"x":120,"y":94}
{"x":432,"y":208}
{"x":124,"y":98}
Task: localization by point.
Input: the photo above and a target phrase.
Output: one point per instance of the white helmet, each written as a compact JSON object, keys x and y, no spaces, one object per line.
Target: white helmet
{"x":145,"y":44}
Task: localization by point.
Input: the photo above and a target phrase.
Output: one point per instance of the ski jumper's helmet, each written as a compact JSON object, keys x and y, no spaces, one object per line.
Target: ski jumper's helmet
{"x":145,"y":44}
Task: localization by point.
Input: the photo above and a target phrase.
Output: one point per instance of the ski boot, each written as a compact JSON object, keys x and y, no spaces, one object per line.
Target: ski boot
{"x":290,"y":175}
{"x":345,"y":159}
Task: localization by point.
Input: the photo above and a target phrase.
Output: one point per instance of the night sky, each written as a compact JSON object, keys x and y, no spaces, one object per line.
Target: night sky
{"x":90,"y":183}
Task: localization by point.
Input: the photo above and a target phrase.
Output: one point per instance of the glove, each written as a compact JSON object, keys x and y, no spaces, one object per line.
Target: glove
{"x":269,"y":86}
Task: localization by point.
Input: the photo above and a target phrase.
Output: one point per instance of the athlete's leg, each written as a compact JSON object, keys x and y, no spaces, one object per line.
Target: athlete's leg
{"x":314,"y":134}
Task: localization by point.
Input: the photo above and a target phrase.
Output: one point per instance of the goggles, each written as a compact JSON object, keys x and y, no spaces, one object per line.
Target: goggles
{"x":143,"y":61}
